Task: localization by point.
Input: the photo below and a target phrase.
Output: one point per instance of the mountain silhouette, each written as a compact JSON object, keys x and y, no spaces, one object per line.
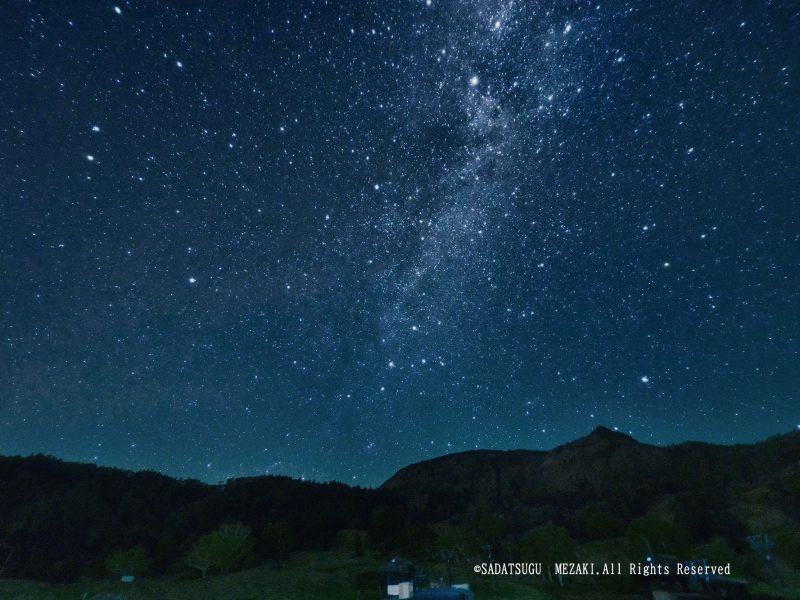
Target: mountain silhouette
{"x":60,"y":521}
{"x":610,"y":472}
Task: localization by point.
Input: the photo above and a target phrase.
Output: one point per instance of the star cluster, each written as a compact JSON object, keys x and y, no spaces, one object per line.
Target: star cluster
{"x":328,"y":239}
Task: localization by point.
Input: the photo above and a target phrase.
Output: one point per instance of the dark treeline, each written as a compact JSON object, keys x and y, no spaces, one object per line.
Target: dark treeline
{"x":62,"y":521}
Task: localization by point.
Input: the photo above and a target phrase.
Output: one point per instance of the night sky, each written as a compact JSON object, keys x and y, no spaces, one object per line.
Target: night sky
{"x":329,"y":239}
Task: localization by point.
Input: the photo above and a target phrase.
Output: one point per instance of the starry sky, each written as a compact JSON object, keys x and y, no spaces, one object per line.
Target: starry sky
{"x":328,"y":239}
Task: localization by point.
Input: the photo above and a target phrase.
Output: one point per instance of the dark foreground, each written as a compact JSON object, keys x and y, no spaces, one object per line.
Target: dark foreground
{"x":327,"y":576}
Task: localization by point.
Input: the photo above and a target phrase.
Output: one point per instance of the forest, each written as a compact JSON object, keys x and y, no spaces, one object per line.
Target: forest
{"x":63,"y":521}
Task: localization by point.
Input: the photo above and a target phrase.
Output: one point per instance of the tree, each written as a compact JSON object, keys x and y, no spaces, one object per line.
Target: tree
{"x":599,"y":524}
{"x":549,"y":543}
{"x":461,"y":543}
{"x":487,"y":524}
{"x":276,"y":541}
{"x":704,"y":514}
{"x":222,"y":549}
{"x":386,"y":530}
{"x":646,"y":535}
{"x":128,"y":562}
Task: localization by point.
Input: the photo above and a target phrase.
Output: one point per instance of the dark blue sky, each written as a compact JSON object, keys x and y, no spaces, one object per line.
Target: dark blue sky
{"x":329,"y":239}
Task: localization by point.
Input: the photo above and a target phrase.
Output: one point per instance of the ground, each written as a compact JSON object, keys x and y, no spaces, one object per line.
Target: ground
{"x":318,"y":576}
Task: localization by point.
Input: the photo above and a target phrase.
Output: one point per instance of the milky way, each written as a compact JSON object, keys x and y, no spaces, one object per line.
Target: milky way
{"x":329,"y":239}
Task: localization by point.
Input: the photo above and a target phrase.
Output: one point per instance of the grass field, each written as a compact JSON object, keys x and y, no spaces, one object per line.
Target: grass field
{"x":321,"y":576}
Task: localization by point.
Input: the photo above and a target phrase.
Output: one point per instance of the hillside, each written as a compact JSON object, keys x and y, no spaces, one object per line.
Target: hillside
{"x":600,"y":496}
{"x":62,"y":520}
{"x":595,"y":485}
